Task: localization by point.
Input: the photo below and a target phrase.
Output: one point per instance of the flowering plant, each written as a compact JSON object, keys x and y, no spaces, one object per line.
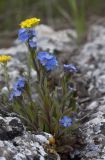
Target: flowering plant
{"x":53,"y":109}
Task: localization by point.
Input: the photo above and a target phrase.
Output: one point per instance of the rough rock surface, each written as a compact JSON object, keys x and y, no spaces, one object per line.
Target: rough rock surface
{"x":92,"y":63}
{"x":91,"y":59}
{"x":18,"y":144}
{"x":10,"y":127}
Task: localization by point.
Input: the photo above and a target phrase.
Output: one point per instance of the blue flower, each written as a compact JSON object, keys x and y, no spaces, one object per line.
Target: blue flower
{"x":65,"y":121}
{"x":51,"y":64}
{"x":20,"y":83}
{"x":14,"y":93}
{"x":17,"y":88}
{"x":47,"y":60}
{"x":25,"y":34}
{"x":42,"y":57}
{"x":71,"y":68}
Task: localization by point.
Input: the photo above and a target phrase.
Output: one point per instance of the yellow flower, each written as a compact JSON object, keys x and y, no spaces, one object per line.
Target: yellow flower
{"x":29,"y":23}
{"x":5,"y":58}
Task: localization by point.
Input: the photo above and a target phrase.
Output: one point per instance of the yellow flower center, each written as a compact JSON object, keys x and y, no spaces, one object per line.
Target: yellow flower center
{"x":29,"y":23}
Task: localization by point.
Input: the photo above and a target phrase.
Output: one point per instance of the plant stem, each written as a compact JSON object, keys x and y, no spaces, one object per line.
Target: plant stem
{"x":6,"y":76}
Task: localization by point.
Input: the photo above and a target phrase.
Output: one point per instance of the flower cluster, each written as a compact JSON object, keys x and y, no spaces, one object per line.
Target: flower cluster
{"x":27,"y":33}
{"x":5,"y":58}
{"x":53,"y":109}
{"x":29,"y":23}
{"x":17,"y":88}
{"x":47,"y":60}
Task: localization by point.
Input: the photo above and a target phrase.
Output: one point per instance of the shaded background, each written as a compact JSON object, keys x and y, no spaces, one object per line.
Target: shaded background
{"x":59,"y":14}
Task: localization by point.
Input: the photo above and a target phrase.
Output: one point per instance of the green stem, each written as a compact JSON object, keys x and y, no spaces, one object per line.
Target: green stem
{"x":35,"y":65}
{"x":32,"y":60}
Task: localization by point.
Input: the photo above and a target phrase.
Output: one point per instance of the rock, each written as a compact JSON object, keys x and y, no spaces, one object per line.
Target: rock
{"x":55,"y":40}
{"x":10,"y":128}
{"x":93,"y":105}
{"x":92,"y":63}
{"x":18,"y":144}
